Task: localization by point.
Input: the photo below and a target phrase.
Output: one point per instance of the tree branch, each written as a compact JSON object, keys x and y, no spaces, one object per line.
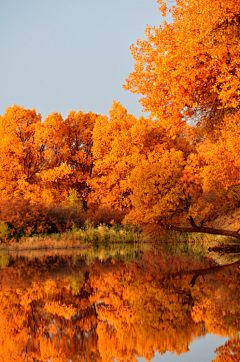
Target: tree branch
{"x":200,"y":229}
{"x":192,"y":222}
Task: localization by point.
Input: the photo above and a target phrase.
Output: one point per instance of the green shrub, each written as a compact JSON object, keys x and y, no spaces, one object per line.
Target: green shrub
{"x":4,"y":230}
{"x":73,"y":201}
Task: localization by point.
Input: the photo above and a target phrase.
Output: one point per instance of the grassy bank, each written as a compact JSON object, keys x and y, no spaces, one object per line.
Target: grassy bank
{"x":77,"y":237}
{"x":105,"y":235}
{"x":87,"y":235}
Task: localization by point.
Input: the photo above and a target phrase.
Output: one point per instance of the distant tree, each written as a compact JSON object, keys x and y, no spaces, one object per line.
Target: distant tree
{"x":121,"y":144}
{"x":69,"y":154}
{"x":43,"y":161}
{"x":22,"y":156}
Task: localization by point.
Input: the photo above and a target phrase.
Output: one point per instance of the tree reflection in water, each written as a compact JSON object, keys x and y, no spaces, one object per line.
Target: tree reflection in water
{"x":111,"y":310}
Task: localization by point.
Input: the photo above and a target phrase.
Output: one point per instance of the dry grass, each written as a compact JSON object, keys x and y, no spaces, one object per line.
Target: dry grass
{"x":76,"y":238}
{"x":43,"y":242}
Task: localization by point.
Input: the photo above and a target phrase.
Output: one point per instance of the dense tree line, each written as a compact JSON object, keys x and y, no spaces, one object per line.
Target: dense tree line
{"x":177,"y":169}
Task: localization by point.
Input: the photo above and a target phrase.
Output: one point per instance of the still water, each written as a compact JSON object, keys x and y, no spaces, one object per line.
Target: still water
{"x":126,"y":303}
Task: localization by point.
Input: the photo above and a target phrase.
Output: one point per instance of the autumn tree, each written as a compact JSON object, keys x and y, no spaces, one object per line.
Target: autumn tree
{"x":55,"y":172}
{"x":122,"y":143}
{"x":190,"y":67}
{"x":68,"y":154}
{"x":79,"y":157}
{"x":44,"y":161}
{"x":21,"y":155}
{"x":188,"y":72}
{"x":111,"y":148}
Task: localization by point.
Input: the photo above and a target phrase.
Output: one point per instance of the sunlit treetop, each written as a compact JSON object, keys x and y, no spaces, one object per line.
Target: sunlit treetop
{"x":190,"y":67}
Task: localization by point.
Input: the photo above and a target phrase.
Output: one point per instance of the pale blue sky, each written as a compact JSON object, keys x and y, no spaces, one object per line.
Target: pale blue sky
{"x":62,"y":55}
{"x":200,"y":350}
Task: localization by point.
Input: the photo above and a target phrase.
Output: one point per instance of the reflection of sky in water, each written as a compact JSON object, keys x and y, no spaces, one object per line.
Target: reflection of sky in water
{"x":201,"y":350}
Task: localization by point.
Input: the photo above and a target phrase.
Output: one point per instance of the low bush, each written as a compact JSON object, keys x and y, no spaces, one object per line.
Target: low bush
{"x":4,"y":230}
{"x":108,"y":216}
{"x":19,"y":217}
{"x":65,"y":217}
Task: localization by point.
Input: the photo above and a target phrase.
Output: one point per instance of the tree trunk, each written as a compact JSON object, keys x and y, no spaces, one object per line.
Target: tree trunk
{"x":199,"y":229}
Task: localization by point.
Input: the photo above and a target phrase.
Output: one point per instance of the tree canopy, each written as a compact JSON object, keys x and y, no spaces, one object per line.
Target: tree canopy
{"x":188,"y":74}
{"x":177,"y":169}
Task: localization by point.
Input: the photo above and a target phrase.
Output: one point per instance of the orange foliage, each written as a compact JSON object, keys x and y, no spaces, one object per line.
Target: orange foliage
{"x":190,"y":67}
{"x":23,"y":217}
{"x":188,"y":71}
{"x":112,"y":149}
{"x":157,"y":188}
{"x":48,"y":159}
{"x":177,"y":168}
{"x":122,"y":144}
{"x":68,"y":154}
{"x":21,"y":155}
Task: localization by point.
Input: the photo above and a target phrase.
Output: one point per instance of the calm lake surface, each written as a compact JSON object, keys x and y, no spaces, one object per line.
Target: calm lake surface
{"x":121,"y":303}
